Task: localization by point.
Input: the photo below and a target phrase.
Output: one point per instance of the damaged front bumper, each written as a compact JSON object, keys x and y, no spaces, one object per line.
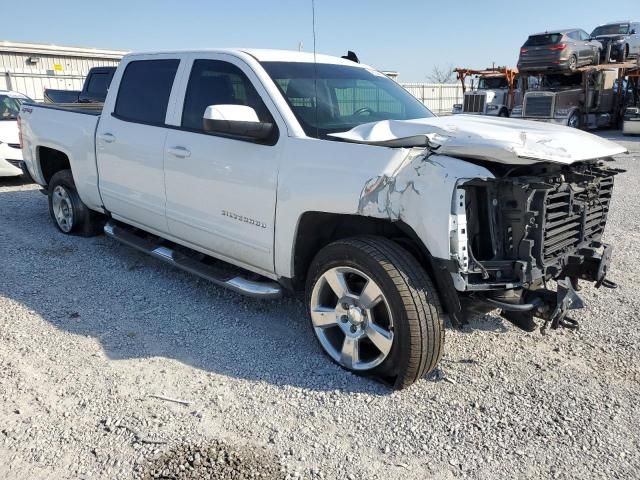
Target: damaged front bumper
{"x":512,"y":235}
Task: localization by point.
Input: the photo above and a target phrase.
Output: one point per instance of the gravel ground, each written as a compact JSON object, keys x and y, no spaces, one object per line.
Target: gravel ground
{"x":90,"y":330}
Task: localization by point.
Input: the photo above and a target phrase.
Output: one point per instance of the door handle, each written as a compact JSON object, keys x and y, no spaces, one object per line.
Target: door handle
{"x":107,"y":137}
{"x":179,"y":152}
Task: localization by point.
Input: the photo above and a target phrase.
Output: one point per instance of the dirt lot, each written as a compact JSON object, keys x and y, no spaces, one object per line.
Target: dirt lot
{"x":90,"y":329}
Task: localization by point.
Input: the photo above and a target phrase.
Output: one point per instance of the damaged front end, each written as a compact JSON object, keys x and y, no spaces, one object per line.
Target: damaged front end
{"x":513,"y":235}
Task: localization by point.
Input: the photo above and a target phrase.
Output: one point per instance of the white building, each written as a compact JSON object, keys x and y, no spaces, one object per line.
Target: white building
{"x":29,"y":68}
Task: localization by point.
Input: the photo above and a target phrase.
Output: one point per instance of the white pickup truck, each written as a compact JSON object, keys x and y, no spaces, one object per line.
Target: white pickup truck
{"x":267,"y":171}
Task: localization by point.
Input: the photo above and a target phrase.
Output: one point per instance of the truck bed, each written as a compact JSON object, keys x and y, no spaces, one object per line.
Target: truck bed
{"x":86,"y":108}
{"x":69,"y":129}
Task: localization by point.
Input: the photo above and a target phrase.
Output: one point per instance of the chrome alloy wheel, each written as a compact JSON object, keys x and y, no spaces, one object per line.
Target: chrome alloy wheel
{"x":351,"y":318}
{"x":62,"y":209}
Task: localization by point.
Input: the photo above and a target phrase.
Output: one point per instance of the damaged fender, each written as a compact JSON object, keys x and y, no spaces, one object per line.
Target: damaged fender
{"x":419,"y":190}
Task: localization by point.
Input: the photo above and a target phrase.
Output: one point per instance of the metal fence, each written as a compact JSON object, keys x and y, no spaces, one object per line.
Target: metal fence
{"x":438,"y":97}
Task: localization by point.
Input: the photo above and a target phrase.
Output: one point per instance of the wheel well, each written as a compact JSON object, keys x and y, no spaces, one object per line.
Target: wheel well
{"x":318,"y":229}
{"x":52,"y":161}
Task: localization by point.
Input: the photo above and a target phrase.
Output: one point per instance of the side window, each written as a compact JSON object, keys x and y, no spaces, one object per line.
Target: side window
{"x":215,"y":82}
{"x":583,"y":35}
{"x":144,"y":90}
{"x":573,"y":35}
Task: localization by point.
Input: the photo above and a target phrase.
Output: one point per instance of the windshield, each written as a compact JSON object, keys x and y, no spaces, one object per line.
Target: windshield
{"x":555,"y":81}
{"x":345,"y":96}
{"x":10,"y":107}
{"x":492,"y":83}
{"x":615,"y":29}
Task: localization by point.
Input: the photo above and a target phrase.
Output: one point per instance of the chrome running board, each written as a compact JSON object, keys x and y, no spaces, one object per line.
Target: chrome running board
{"x":228,"y":277}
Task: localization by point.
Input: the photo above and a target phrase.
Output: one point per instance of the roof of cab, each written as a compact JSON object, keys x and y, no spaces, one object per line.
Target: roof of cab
{"x":266,"y":55}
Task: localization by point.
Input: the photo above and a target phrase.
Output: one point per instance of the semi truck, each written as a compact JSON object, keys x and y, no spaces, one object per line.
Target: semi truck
{"x":493,"y":91}
{"x":268,"y":171}
{"x":591,"y":97}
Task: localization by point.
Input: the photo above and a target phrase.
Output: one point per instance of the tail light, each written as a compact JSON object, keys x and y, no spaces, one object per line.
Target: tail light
{"x":19,"y":131}
{"x":524,"y":50}
{"x":560,"y":46}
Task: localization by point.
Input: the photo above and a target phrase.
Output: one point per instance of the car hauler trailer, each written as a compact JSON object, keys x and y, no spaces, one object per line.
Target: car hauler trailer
{"x":631,"y":117}
{"x":591,"y":97}
{"x":494,"y":94}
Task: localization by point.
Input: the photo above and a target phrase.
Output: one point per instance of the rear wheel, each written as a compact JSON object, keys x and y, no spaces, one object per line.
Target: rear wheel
{"x":573,"y":63}
{"x":70,"y":215}
{"x":374,"y":310}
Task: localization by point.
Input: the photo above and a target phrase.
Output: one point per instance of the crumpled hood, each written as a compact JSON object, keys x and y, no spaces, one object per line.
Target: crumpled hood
{"x":501,"y":140}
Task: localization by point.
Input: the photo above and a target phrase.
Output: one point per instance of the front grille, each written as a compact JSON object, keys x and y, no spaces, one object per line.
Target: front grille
{"x":474,"y":103}
{"x":574,"y":214}
{"x":14,"y":145}
{"x":538,"y":106}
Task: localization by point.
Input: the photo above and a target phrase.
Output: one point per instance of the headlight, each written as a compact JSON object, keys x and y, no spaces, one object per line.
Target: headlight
{"x":619,"y":40}
{"x":562,"y":112}
{"x":492,"y":107}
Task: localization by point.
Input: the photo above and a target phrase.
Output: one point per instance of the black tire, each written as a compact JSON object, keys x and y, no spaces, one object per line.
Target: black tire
{"x":573,"y":63}
{"x":574,"y":121}
{"x":418,"y":328}
{"x":625,"y":54}
{"x":82,"y":221}
{"x":504,"y":113}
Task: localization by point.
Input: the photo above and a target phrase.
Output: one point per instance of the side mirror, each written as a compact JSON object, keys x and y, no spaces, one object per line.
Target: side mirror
{"x":633,"y":32}
{"x":236,"y":120}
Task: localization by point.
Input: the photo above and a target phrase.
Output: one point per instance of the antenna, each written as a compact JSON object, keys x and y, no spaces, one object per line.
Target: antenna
{"x":315,"y":65}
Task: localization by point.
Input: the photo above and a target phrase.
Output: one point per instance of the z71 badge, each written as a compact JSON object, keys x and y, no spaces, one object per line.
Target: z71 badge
{"x":244,"y":219}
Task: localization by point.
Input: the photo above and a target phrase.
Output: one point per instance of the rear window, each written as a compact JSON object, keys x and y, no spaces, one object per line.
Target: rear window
{"x":545,"y":39}
{"x":144,"y":90}
{"x":98,"y":84}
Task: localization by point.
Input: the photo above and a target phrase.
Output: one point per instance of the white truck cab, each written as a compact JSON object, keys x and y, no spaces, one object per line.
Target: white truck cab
{"x":266,"y":170}
{"x":493,"y":91}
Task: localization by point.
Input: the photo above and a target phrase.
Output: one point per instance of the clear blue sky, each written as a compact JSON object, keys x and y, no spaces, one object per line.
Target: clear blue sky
{"x":409,"y":36}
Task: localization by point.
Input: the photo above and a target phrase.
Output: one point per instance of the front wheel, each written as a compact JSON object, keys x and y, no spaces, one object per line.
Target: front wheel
{"x":374,"y":310}
{"x":69,"y":213}
{"x":574,"y":120}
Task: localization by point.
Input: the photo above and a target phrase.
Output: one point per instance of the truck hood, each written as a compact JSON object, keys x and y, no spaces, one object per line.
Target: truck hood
{"x":500,"y":140}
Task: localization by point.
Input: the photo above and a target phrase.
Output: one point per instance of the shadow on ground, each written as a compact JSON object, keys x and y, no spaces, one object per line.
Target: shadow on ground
{"x":138,"y":307}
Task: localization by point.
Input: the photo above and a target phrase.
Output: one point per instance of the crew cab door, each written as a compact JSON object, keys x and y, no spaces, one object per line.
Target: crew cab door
{"x":221,"y":190}
{"x":130,"y":141}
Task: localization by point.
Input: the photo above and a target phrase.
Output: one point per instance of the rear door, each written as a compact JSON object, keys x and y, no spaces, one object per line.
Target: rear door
{"x":130,"y":142}
{"x":221,"y":190}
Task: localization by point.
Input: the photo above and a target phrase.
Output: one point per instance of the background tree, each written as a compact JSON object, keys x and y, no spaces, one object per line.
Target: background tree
{"x":440,"y":74}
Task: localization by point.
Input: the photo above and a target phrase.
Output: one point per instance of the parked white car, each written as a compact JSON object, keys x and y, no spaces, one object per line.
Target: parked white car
{"x":10,"y":150}
{"x":265,"y":170}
